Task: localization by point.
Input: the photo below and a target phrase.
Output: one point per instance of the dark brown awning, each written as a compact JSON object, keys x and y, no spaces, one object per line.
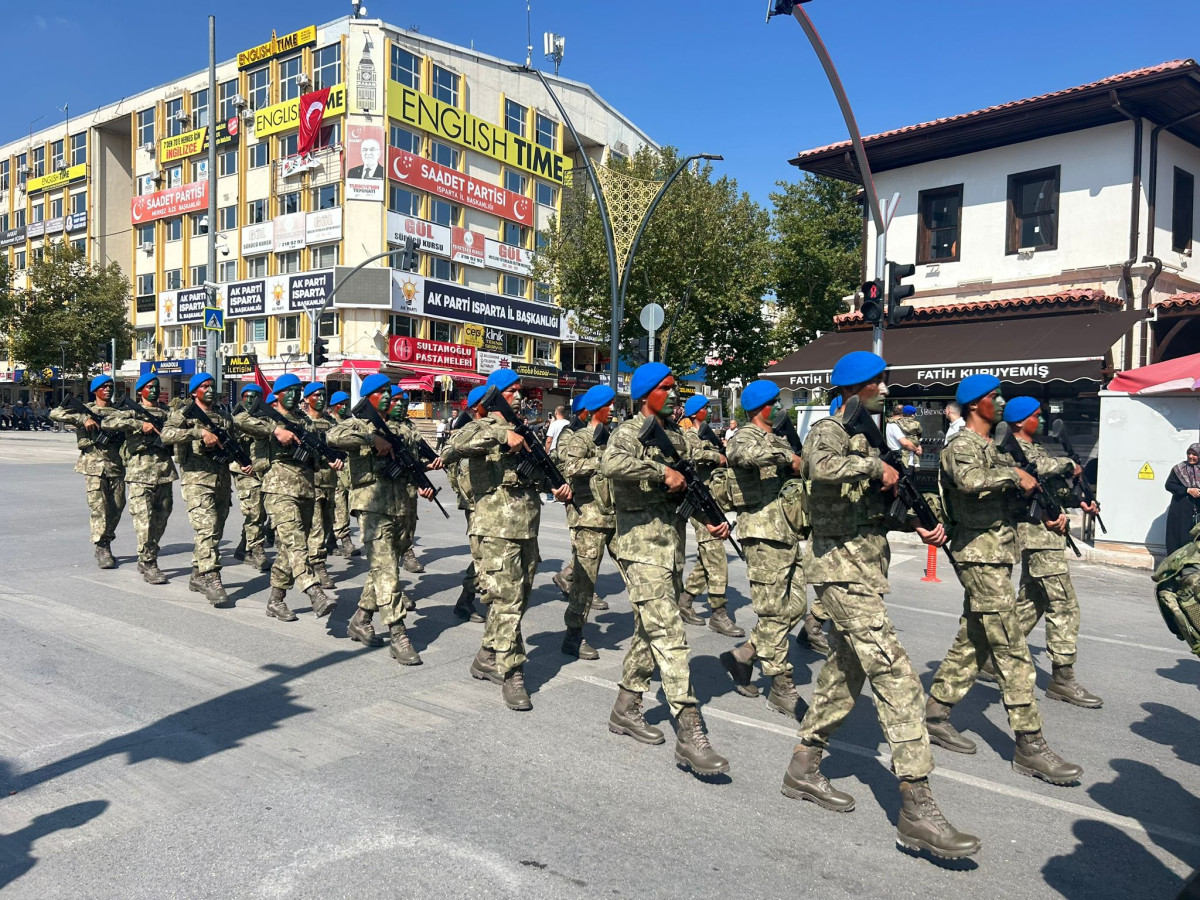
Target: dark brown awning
{"x":1037,"y":349}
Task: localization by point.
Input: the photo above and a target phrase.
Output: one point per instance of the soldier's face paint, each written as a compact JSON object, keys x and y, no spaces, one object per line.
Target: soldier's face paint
{"x":1031,"y":425}
{"x":873,"y":395}
{"x":204,"y":393}
{"x":991,"y":407}
{"x":290,"y":399}
{"x":381,"y":400}
{"x":701,"y":416}
{"x":150,"y":391}
{"x":339,"y":410}
{"x":603,"y":414}
{"x":663,"y":399}
{"x":104,"y":392}
{"x":317,"y":400}
{"x":397,"y":409}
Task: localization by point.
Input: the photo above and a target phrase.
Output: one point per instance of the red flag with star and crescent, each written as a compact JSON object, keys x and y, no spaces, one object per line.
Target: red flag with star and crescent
{"x":312,"y":112}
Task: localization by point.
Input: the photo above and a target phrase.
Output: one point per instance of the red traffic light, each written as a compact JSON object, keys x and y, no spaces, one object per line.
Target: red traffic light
{"x":872,"y":290}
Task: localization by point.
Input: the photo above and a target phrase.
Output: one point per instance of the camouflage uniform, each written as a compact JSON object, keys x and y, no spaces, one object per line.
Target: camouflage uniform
{"x":911,"y":428}
{"x":760,"y":463}
{"x":249,"y":487}
{"x":103,"y":469}
{"x":458,"y":470}
{"x":149,"y":474}
{"x":847,"y":562}
{"x":326,"y":485}
{"x":341,"y":506}
{"x":976,"y":482}
{"x":206,"y":485}
{"x":711,"y":572}
{"x":593,"y":524}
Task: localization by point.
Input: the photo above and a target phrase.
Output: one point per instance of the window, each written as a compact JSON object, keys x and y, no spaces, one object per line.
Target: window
{"x":543,"y":350}
{"x":227,"y":164}
{"x":37,"y":212}
{"x":402,"y":326}
{"x":443,"y":154}
{"x":1033,"y":210}
{"x":3,"y":174}
{"x":289,"y":203}
{"x":145,"y":127}
{"x":514,"y":117}
{"x":547,"y":132}
{"x":199,"y":276}
{"x":200,"y":170}
{"x":79,"y":203}
{"x":260,"y":154}
{"x":546,"y":194}
{"x":145,"y":284}
{"x":145,"y":234}
{"x":289,"y":262}
{"x":200,"y":108}
{"x":329,"y":136}
{"x":145,"y":339}
{"x":79,"y":246}
{"x":19,"y":260}
{"x":289,"y":145}
{"x":57,"y":157}
{"x":56,"y":208}
{"x":443,"y":269}
{"x":256,"y":267}
{"x":541,"y":293}
{"x":227,"y":271}
{"x":405,"y":140}
{"x":938,"y":225}
{"x":172,"y":338}
{"x":513,"y":286}
{"x":512,"y":233}
{"x":173,"y":228}
{"x":325,"y":257}
{"x":514,"y":345}
{"x":78,"y":149}
{"x":289,"y":71}
{"x":327,"y":66}
{"x":176,"y":120}
{"x":199,"y":224}
{"x":287,"y":328}
{"x":445,"y":85}
{"x":3,"y":225}
{"x":1183,"y":211}
{"x":256,"y":330}
{"x":515,"y":182}
{"x":226,"y":91}
{"x":175,"y":176}
{"x":406,"y":68}
{"x":403,"y":201}
{"x":173,"y":279}
{"x":256,"y":211}
{"x":328,"y":325}
{"x":442,"y":212}
{"x":37,"y":162}
{"x":440,"y":331}
{"x":227,"y":218}
{"x":325,"y":196}
{"x":258,"y":83}
{"x":230,"y":334}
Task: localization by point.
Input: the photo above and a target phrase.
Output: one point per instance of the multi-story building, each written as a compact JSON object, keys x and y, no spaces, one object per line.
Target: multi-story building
{"x":417,"y":137}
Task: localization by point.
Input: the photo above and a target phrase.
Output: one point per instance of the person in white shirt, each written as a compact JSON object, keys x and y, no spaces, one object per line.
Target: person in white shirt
{"x":556,"y":428}
{"x":731,"y":430}
{"x":954,"y":413}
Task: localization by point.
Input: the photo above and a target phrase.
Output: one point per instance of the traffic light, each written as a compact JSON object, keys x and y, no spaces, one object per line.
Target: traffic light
{"x":320,"y":351}
{"x":872,"y":305}
{"x":408,"y":259}
{"x":897,"y":292}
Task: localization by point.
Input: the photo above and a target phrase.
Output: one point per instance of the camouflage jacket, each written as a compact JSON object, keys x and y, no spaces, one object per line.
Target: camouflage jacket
{"x":196,"y":466}
{"x":976,"y":483}
{"x":285,"y":474}
{"x":1032,"y":534}
{"x":579,"y":460}
{"x":144,"y":462}
{"x":507,"y":505}
{"x":371,"y":490}
{"x":911,"y":428}
{"x":326,"y":479}
{"x":649,"y":530}
{"x":705,"y":456}
{"x":761,"y":463}
{"x":257,"y":448}
{"x":92,"y":460}
{"x":458,"y":470}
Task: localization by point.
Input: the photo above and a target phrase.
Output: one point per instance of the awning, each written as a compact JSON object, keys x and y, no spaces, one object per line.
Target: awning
{"x":1172,"y":376}
{"x":1037,"y":349}
{"x":420,"y":383}
{"x":428,"y":376}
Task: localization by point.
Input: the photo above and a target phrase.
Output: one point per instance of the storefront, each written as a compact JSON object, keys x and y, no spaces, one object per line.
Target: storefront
{"x":439,"y":372}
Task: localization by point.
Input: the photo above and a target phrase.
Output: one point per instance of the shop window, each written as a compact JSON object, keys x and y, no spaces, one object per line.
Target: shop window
{"x":1183,"y":211}
{"x":514,"y":345}
{"x":543,"y":350}
{"x":402,"y":326}
{"x":1033,"y":210}
{"x":939,"y":224}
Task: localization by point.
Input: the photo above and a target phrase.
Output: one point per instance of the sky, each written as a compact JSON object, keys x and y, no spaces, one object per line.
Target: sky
{"x":704,"y":75}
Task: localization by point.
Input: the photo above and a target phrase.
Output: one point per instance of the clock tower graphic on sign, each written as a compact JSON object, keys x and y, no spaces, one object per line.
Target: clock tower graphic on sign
{"x":366,"y":86}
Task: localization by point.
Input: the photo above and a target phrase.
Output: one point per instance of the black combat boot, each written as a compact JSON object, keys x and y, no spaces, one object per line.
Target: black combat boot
{"x":987,"y":672}
{"x":941,"y":732}
{"x":359,"y":628}
{"x":574,"y":645}
{"x":277,"y":609}
{"x":151,"y":573}
{"x":739,"y":663}
{"x":513,"y":690}
{"x":214,"y":591}
{"x":626,"y":718}
{"x":803,"y":781}
{"x":1033,"y":757}
{"x":692,"y":748}
{"x":1063,"y":686}
{"x":483,"y":666}
{"x":685,"y":609}
{"x":104,"y":557}
{"x":323,"y":577}
{"x":813,"y":635}
{"x":411,"y":563}
{"x":239,"y":552}
{"x":599,"y":603}
{"x":322,"y":603}
{"x":922,"y":826}
{"x":720,"y":622}
{"x":402,"y":649}
{"x":784,"y":699}
{"x":464,"y":607}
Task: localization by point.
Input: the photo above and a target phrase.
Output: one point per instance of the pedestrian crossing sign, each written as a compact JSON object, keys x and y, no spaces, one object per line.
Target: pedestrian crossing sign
{"x":214,"y":319}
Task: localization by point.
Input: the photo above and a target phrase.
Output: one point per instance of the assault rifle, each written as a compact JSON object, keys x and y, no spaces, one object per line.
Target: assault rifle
{"x":101,"y":438}
{"x":402,"y":463}
{"x":309,"y":444}
{"x":464,"y":418}
{"x":697,"y":498}
{"x":601,"y":435}
{"x":1083,"y":490}
{"x":706,"y":433}
{"x":535,"y":461}
{"x":128,"y":405}
{"x":786,"y":429}
{"x":228,"y":447}
{"x":1042,"y":506}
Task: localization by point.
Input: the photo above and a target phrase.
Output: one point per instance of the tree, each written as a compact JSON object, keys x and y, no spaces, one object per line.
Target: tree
{"x":818,"y":256}
{"x":706,"y":243}
{"x":71,"y":309}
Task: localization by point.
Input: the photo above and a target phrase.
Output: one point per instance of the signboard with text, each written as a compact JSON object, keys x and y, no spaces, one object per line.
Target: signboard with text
{"x":430,"y":237}
{"x":446,"y":300}
{"x":285,"y":115}
{"x":175,"y":201}
{"x":277,"y":46}
{"x":438,"y":354}
{"x":425,"y":175}
{"x":56,"y":179}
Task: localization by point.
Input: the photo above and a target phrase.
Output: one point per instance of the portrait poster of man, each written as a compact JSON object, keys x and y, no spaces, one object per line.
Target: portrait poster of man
{"x":365,"y":161}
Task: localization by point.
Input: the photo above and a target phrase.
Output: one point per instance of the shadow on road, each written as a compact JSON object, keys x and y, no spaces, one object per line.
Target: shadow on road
{"x":16,"y":849}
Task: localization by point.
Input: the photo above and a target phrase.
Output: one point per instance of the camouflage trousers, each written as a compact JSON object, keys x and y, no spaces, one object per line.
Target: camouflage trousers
{"x":322,"y":526}
{"x":385,"y":540}
{"x":779,"y":596}
{"x":710,"y":574}
{"x":292,"y":518}
{"x":1046,"y":590}
{"x":658,"y":635}
{"x":864,"y":647}
{"x":150,"y":505}
{"x":990,"y":627}
{"x":254,"y":514}
{"x":106,"y":502}
{"x":341,"y":512}
{"x":472,"y":579}
{"x":508,"y":569}
{"x":208,"y":508}
{"x":587,"y":549}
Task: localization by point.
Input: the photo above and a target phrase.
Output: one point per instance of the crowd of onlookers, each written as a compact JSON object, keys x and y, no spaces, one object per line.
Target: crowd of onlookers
{"x":22,"y":416}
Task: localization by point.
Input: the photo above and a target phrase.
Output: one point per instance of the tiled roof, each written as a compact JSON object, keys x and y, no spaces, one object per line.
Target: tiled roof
{"x":1070,"y":298}
{"x":1186,"y":300}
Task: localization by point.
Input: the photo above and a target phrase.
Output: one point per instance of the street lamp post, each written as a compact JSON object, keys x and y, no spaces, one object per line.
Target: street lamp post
{"x":212,"y":338}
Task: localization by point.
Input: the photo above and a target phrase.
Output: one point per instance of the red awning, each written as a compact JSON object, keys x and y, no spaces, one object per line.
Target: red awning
{"x":1182,"y":374}
{"x":457,"y":374}
{"x":420,"y":383}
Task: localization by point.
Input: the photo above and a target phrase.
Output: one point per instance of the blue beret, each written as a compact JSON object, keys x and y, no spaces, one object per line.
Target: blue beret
{"x":577,"y":403}
{"x":476,"y":395}
{"x":646,"y":378}
{"x":694,"y":405}
{"x":251,"y":388}
{"x":835,"y":405}
{"x":503,"y":379}
{"x":908,"y":409}
{"x":758,"y":394}
{"x":339,"y":397}
{"x":598,"y":397}
{"x":198,"y":380}
{"x":397,"y":391}
{"x":99,"y":381}
{"x":312,"y":387}
{"x":373,"y":383}
{"x":144,"y":380}
{"x":858,"y":367}
{"x":284,"y":382}
{"x":270,"y":398}
{"x":973,"y":387}
{"x":1018,"y":409}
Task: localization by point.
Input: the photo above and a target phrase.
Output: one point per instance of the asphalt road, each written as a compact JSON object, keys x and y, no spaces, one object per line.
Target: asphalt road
{"x":152,"y":746}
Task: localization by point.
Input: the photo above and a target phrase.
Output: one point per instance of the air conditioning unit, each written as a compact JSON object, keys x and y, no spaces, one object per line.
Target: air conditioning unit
{"x":247,"y":348}
{"x":239,"y":102}
{"x":146,"y":246}
{"x":187,"y":353}
{"x":303,"y":81}
{"x":181,"y":116}
{"x":155,"y":175}
{"x":248,"y":115}
{"x":170,"y":353}
{"x":22,"y":170}
{"x":228,"y":349}
{"x":291,"y":348}
{"x":145,"y":355}
{"x":149,"y":147}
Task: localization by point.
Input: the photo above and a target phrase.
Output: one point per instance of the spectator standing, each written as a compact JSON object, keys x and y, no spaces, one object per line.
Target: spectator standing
{"x":1184,"y":486}
{"x":954,"y":413}
{"x":731,"y":430}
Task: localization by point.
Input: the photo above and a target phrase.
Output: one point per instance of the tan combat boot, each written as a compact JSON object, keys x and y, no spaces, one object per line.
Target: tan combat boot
{"x":513,"y":690}
{"x":814,"y":636}
{"x":360,"y":629}
{"x":599,"y":603}
{"x":784,"y":699}
{"x":277,"y":609}
{"x":692,"y":748}
{"x":626,"y":718}
{"x":720,"y":622}
{"x":322,"y":603}
{"x":483,"y":666}
{"x":402,"y":649}
{"x":941,"y":732}
{"x":803,"y":781}
{"x":323,"y":577}
{"x":574,"y":645}
{"x":686,"y":612}
{"x":739,"y":663}
{"x":1063,"y":686}
{"x":151,"y":573}
{"x":921,"y":825}
{"x":411,"y":563}
{"x":1033,"y":757}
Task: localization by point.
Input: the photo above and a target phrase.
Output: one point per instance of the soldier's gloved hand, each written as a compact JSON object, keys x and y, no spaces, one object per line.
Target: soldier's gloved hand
{"x":209,"y":439}
{"x":148,"y":427}
{"x":562,"y":494}
{"x":1058,"y":525}
{"x":285,"y":437}
{"x":719,"y":531}
{"x":673,"y":480}
{"x":1025,"y":481}
{"x":247,"y":470}
{"x":437,"y":463}
{"x":425,"y":493}
{"x":382,"y":447}
{"x":337,"y":465}
{"x":90,"y":424}
{"x":516,"y":442}
{"x":935,"y":538}
{"x":890,"y":477}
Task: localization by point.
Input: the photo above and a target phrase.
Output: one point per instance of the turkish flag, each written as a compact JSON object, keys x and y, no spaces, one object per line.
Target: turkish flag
{"x":312,"y":112}
{"x":261,"y":380}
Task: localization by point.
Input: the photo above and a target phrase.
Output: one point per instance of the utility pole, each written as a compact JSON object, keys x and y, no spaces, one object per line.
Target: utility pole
{"x":212,"y":339}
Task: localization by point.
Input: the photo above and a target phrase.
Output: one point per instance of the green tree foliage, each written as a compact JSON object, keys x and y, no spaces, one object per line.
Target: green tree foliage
{"x":706,"y":242}
{"x":70,"y":305}
{"x":818,"y":253}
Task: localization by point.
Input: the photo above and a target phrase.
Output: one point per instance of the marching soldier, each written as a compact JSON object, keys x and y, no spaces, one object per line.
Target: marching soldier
{"x":711,"y":571}
{"x":458,"y":471}
{"x":847,"y":562}
{"x":398,"y":413}
{"x":975,"y":482}
{"x":761,"y":462}
{"x":101,"y":465}
{"x":338,"y":410}
{"x":325,"y":484}
{"x":508,"y":510}
{"x":253,"y":546}
{"x":206,"y":483}
{"x":149,"y":473}
{"x":649,"y":542}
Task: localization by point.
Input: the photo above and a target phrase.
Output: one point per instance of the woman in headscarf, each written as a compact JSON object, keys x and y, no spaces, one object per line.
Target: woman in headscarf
{"x":1184,"y":486}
